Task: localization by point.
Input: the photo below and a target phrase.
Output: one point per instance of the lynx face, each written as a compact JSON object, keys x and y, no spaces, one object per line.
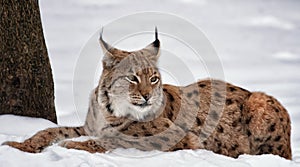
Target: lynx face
{"x":137,"y":90}
{"x":135,"y":87}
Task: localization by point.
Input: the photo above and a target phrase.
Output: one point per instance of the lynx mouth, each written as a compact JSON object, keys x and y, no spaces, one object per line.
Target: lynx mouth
{"x":145,"y":104}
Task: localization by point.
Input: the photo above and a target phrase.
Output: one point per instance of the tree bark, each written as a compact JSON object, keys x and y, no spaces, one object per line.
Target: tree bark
{"x":26,"y":85}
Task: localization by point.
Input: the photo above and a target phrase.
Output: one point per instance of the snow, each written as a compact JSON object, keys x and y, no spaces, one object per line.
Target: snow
{"x":256,"y":41}
{"x":58,"y":156}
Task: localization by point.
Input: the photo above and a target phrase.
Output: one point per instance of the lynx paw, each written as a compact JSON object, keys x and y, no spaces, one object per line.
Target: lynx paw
{"x":23,"y":146}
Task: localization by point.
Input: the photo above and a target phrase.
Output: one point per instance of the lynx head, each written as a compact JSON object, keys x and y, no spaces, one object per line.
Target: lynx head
{"x":130,"y":84}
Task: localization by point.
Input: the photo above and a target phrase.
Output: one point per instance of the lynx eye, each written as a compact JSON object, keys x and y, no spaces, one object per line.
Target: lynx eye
{"x":154,"y":80}
{"x":132,"y":79}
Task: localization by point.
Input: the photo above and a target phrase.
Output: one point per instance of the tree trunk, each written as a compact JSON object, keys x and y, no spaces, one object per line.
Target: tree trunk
{"x":26,"y":85}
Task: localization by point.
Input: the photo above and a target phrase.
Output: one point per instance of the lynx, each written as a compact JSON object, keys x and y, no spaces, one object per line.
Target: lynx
{"x":131,"y":108}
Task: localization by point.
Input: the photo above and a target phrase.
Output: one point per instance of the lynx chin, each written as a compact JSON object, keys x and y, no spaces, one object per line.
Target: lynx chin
{"x":131,"y":108}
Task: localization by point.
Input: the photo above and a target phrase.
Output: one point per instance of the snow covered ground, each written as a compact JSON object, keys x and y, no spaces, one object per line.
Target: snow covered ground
{"x":256,"y":41}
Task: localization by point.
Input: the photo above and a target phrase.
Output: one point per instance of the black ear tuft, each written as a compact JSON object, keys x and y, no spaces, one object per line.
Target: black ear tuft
{"x":156,"y":43}
{"x":156,"y":34}
{"x":104,"y":45}
{"x":101,"y":33}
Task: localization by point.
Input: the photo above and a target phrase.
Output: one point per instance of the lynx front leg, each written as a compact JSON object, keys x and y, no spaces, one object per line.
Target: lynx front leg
{"x":91,"y":146}
{"x":25,"y":146}
{"x":44,"y":138}
{"x":36,"y":143}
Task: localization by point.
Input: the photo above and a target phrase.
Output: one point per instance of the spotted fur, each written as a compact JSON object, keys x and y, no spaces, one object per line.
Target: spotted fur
{"x":131,"y":108}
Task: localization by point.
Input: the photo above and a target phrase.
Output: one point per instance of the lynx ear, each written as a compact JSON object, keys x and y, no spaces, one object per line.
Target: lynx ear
{"x":112,"y":55}
{"x":154,"y":48}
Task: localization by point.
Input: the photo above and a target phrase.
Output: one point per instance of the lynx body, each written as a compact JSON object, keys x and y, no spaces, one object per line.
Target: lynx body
{"x":131,"y":108}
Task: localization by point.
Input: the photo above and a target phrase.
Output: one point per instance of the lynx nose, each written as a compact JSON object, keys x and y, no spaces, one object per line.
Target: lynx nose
{"x":146,"y":96}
